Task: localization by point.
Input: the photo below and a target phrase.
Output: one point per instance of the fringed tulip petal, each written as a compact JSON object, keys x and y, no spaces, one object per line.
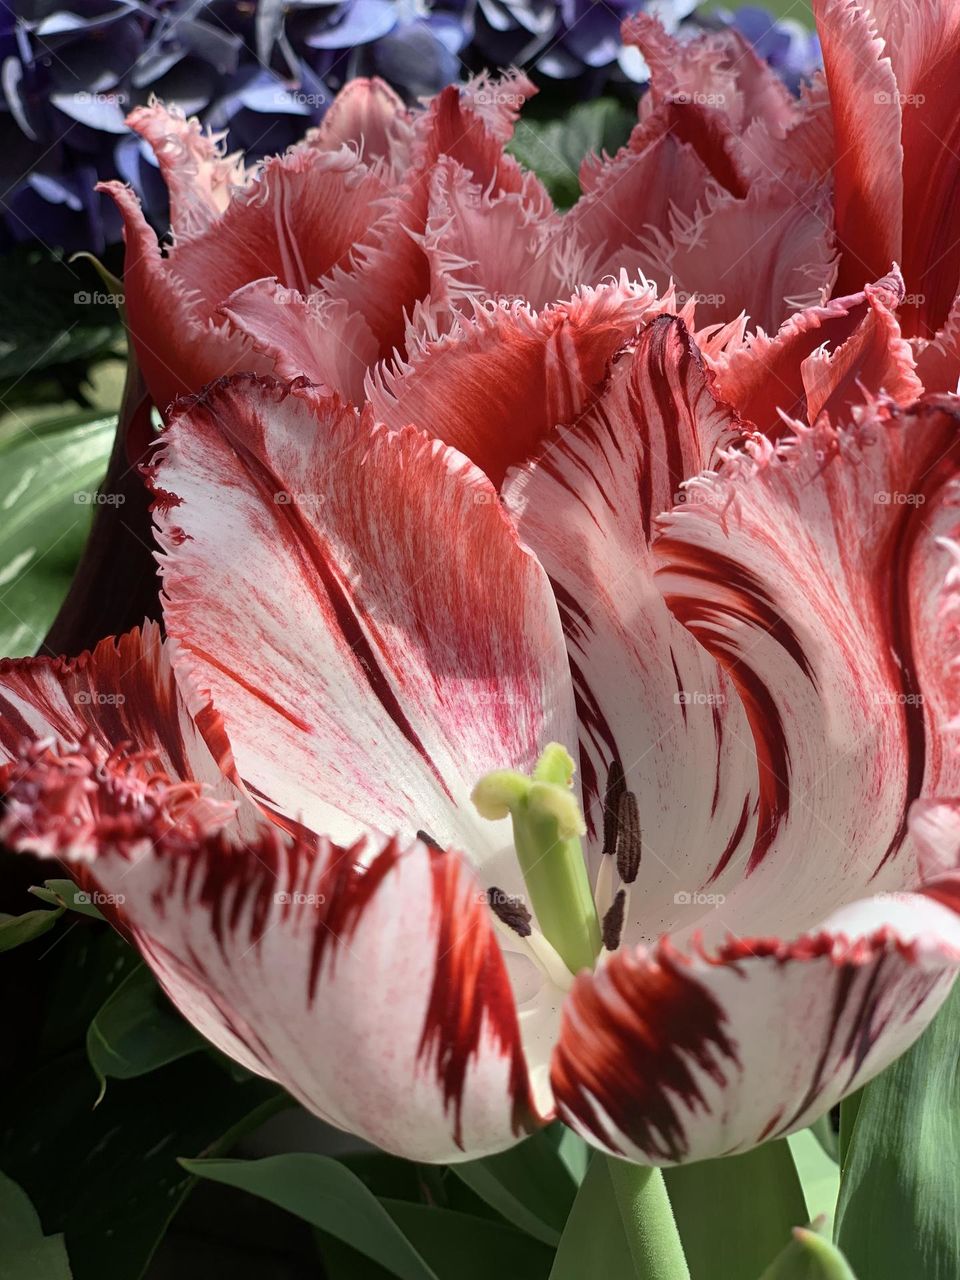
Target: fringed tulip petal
{"x":670,"y":1055}
{"x":357,"y":607}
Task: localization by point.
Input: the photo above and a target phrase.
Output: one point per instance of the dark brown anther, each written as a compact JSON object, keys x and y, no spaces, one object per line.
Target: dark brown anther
{"x":628,"y":838}
{"x":510,"y":910}
{"x":616,"y":785}
{"x":426,"y":838}
{"x":613,"y":921}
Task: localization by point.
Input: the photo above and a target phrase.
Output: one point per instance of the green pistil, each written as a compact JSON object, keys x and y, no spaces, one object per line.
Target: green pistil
{"x":547,"y":826}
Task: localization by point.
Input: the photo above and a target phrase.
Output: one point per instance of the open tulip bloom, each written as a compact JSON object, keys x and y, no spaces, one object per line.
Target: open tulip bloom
{"x":555,"y":717}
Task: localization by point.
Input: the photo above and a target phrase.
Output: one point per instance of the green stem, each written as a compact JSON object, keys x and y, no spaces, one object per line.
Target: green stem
{"x":648,"y":1221}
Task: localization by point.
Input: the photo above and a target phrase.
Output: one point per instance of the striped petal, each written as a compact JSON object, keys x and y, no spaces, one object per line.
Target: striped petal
{"x":357,"y":607}
{"x":297,"y":956}
{"x":668,"y":1056}
{"x":654,"y":707}
{"x":819,"y":577}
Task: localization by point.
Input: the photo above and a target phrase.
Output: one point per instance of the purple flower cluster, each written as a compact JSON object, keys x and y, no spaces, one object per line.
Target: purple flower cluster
{"x":265,"y":70}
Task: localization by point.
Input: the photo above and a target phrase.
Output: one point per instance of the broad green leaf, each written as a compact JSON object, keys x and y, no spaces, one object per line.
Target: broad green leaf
{"x":65,"y":893}
{"x":458,"y":1244}
{"x":899,"y":1196}
{"x":48,"y":486}
{"x":620,"y":1225}
{"x":137,"y":1030}
{"x":327,"y":1195}
{"x":819,"y":1175}
{"x":25,"y":1252}
{"x":809,"y":1256}
{"x":571,"y":1148}
{"x":734,"y":1214}
{"x":529,"y":1185}
{"x":15,"y":930}
{"x":553,"y":149}
{"x":109,"y":1178}
{"x":849,"y":1108}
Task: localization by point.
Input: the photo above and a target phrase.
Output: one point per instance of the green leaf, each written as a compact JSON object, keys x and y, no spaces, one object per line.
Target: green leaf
{"x":571,"y":1148}
{"x":900,"y":1190}
{"x":819,"y":1175}
{"x":528,"y":1185}
{"x":621,"y":1225}
{"x":48,"y":476}
{"x":109,"y":1178}
{"x":56,"y":320}
{"x":327,"y":1195}
{"x":734,"y":1214}
{"x":553,"y":149}
{"x":16,"y":930}
{"x":65,"y":893}
{"x":458,"y":1244}
{"x":25,"y":1252}
{"x":809,"y":1256}
{"x":828,"y":1138}
{"x":137,"y":1030}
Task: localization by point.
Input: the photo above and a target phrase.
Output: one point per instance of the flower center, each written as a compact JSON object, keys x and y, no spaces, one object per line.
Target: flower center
{"x":547,"y":826}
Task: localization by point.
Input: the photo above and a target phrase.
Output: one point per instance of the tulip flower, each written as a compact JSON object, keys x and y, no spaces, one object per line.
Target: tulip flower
{"x":623,"y":797}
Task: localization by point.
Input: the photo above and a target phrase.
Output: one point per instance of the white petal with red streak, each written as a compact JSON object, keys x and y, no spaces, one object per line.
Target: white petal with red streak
{"x":357,"y":606}
{"x":668,"y":1056}
{"x":815,"y":575}
{"x":122,"y":692}
{"x":365,"y":980}
{"x":649,"y":697}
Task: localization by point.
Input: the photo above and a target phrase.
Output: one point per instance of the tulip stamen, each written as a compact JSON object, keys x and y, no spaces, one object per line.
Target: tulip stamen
{"x":613,"y":921}
{"x":628,"y":837}
{"x":426,"y":838}
{"x":547,"y":826}
{"x":510,"y":910}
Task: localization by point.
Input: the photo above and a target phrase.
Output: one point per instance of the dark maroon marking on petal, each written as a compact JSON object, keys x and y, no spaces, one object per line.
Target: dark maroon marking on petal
{"x":718,"y":735}
{"x":254,"y":690}
{"x":291,"y":522}
{"x":705,"y":619}
{"x":845,"y":980}
{"x":734,"y":841}
{"x":769,"y":1127}
{"x":428,"y":840}
{"x":616,"y":785}
{"x":612,"y":928}
{"x":681,"y":700}
{"x":638,"y":1050}
{"x":470,"y":999}
{"x":510,"y":910}
{"x":629,"y":840}
{"x":752,"y":603}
